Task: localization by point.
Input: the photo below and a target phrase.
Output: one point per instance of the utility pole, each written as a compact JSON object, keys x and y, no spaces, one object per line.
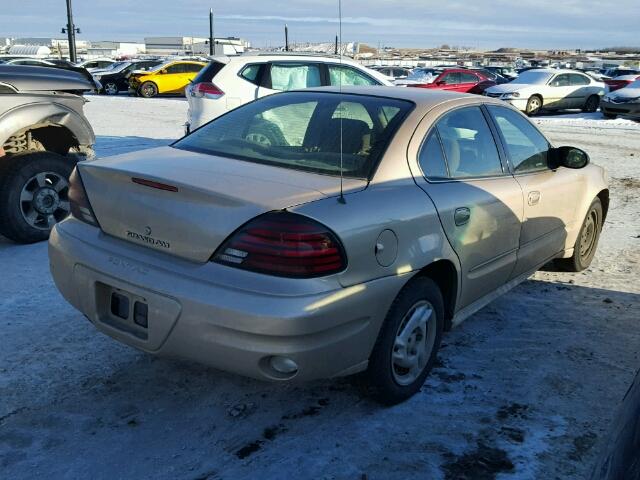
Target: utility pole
{"x":286,"y":38}
{"x":336,"y":49}
{"x":71,"y":31}
{"x":212,"y":48}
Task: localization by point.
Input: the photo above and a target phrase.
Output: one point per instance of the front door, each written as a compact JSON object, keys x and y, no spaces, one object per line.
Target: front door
{"x":548,"y":195}
{"x":478,"y":201}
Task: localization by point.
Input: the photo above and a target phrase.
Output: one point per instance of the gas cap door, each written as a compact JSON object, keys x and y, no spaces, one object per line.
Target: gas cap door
{"x":386,"y":248}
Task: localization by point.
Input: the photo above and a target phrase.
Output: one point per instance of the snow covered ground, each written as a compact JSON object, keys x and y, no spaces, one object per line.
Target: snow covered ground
{"x":524,"y":389}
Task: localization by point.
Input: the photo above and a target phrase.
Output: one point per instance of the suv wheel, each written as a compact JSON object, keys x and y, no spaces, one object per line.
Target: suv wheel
{"x":34,"y":190}
{"x":407,"y":344}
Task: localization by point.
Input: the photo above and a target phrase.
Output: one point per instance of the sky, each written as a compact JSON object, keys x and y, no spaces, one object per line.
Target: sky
{"x":484,"y":24}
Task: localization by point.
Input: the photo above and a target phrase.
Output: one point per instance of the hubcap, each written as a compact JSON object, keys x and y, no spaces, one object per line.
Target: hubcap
{"x":44,"y":200}
{"x":148,"y":90}
{"x":414,"y":343}
{"x":534,"y":104}
{"x":111,"y":88}
{"x":588,"y":236}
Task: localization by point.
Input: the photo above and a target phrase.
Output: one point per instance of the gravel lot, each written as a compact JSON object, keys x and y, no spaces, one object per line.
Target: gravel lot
{"x":524,"y":389}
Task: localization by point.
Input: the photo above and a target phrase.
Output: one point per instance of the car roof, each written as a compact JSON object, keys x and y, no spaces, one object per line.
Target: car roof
{"x":425,"y":98}
{"x":247,"y":58}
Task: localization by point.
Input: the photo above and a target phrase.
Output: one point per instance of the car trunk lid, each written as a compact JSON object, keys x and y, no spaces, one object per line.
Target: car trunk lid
{"x":186,"y":203}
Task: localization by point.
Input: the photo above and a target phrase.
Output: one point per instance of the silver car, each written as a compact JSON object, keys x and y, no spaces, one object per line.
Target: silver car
{"x":321,"y":233}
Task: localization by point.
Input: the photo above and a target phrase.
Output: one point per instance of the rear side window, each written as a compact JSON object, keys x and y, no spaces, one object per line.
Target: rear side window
{"x":308,"y":131}
{"x":469,"y":147}
{"x":468,"y":78}
{"x":251,"y":73}
{"x":289,"y":76}
{"x":431,"y":158}
{"x":577,"y":79}
{"x":344,"y":75}
{"x":209,"y":72}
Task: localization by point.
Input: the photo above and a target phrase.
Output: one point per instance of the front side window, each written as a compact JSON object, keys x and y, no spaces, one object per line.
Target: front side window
{"x":175,"y":68}
{"x":469,"y":147}
{"x":451,"y":78}
{"x":343,"y":75}
{"x":289,"y":76}
{"x":526,"y":147}
{"x":307,"y":131}
{"x":561,"y":81}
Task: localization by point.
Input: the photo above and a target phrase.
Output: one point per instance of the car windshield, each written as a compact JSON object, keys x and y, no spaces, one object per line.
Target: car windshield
{"x":318,"y":132}
{"x":533,"y":77}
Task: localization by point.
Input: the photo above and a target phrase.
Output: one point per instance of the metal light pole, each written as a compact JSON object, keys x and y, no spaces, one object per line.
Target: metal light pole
{"x":286,"y":37}
{"x":71,"y":31}
{"x":212,"y":49}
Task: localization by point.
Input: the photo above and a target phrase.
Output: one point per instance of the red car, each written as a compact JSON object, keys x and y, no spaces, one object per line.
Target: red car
{"x":621,"y":82}
{"x":459,"y":80}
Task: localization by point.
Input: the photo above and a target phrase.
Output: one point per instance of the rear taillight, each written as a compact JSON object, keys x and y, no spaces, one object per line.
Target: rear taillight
{"x":206,"y":88}
{"x":283,"y":244}
{"x":78,"y":201}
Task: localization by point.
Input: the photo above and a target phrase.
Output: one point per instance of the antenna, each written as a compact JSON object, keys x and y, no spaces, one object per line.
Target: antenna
{"x":341,"y":198}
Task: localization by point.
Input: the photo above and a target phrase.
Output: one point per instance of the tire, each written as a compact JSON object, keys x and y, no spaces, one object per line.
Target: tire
{"x":33,"y":195}
{"x":148,"y":90}
{"x":388,"y":380}
{"x":592,"y":104}
{"x":534,"y":105}
{"x":587,"y":242}
{"x":110,"y":88}
{"x":609,"y":116}
{"x":265,"y":133}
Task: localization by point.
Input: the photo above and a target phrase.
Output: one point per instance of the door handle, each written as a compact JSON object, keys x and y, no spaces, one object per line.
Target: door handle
{"x":461,"y":216}
{"x":533,"y":198}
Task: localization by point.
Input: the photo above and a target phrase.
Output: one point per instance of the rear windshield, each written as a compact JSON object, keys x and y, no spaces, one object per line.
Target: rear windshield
{"x":208,"y":72}
{"x":305,"y":131}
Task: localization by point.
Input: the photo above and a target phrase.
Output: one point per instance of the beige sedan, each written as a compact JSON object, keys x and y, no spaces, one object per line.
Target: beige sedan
{"x":321,"y":233}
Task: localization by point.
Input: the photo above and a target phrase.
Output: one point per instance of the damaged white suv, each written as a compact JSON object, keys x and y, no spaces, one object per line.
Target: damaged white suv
{"x":228,"y":82}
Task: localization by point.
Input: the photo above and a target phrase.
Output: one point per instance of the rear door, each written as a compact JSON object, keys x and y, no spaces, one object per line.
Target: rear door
{"x":284,"y":76}
{"x":581,"y":90}
{"x":549,"y":195}
{"x":468,"y":82}
{"x":478,"y":200}
{"x":347,"y":75}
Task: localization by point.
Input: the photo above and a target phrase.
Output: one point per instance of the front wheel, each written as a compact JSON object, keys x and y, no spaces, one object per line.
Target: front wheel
{"x":592,"y":104}
{"x":148,"y":90}
{"x":587,"y":242}
{"x":407,"y":344}
{"x":34,"y":195}
{"x":534,"y":105}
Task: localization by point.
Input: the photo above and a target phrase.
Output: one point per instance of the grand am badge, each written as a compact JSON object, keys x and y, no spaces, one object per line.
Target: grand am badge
{"x":147,"y":238}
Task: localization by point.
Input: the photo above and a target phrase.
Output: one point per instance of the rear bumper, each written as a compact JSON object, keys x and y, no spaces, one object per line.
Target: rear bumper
{"x":327,"y":331}
{"x":627,"y":109}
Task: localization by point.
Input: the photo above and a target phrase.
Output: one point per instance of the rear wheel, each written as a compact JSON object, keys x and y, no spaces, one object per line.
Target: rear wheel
{"x":407,"y":344}
{"x":534,"y":105}
{"x":110,"y":88}
{"x":587,"y":242}
{"x":148,"y":90}
{"x":592,"y":104}
{"x":34,"y":189}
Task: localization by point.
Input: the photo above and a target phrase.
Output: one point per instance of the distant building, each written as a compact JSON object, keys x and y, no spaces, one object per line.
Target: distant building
{"x":37,"y":51}
{"x":193,"y":46}
{"x":114,"y":49}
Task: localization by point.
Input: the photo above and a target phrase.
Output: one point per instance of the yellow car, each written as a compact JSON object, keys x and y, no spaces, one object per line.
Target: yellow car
{"x":170,"y":77}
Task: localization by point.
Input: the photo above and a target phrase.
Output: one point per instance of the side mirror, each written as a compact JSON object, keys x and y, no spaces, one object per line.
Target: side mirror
{"x":569,"y":157}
